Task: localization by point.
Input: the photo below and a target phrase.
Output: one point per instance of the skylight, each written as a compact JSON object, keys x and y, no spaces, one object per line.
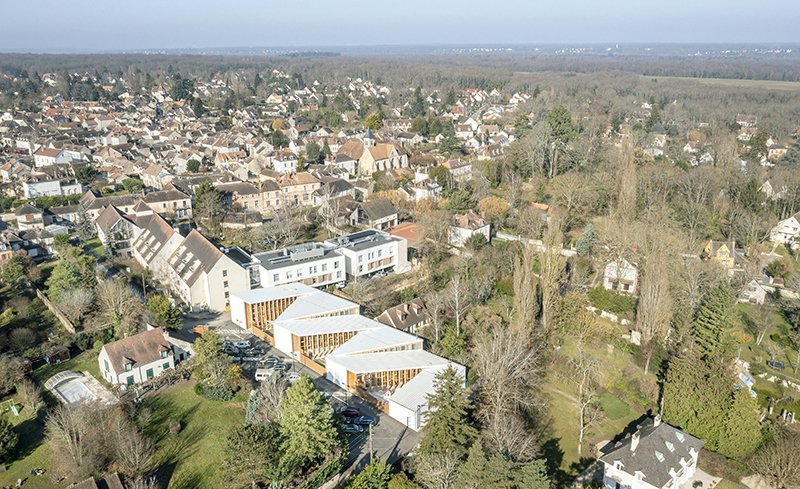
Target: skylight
{"x":659,"y":456}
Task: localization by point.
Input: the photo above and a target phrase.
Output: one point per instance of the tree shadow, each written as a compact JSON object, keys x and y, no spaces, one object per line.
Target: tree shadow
{"x":31,"y":435}
{"x":554,"y":456}
{"x":183,"y":447}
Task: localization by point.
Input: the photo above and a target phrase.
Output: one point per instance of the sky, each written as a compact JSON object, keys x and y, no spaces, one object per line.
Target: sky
{"x":109,"y":25}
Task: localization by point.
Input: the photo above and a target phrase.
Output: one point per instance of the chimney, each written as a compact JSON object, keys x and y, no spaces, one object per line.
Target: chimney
{"x":657,"y":421}
{"x":634,"y":441}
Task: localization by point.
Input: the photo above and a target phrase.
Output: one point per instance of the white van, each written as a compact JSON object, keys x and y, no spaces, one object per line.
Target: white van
{"x":263,"y":373}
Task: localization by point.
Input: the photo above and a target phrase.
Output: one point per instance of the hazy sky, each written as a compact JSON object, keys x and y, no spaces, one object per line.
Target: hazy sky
{"x":136,"y":24}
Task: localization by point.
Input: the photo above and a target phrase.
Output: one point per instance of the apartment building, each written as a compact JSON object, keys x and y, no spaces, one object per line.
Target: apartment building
{"x":312,"y":264}
{"x":369,"y":252}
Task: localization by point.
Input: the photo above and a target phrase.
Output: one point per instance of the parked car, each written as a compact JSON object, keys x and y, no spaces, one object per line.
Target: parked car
{"x":293,"y":377}
{"x":352,"y":428}
{"x":775,"y":364}
{"x":364,"y":420}
{"x":348,"y":411}
{"x":230,"y":350}
{"x":264,"y":373}
{"x":280,"y":367}
{"x":241,"y":344}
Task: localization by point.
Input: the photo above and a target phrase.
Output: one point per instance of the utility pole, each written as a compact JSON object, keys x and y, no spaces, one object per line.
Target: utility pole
{"x":369,"y":428}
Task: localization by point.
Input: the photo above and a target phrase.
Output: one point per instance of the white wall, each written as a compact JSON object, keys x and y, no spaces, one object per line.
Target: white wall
{"x":238,"y":315}
{"x":283,"y":339}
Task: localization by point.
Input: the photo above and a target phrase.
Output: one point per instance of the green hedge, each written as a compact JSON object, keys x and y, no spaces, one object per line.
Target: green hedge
{"x":607,"y":300}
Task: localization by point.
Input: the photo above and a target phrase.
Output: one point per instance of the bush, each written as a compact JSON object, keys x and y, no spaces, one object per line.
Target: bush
{"x":174,"y":427}
{"x":610,"y":301}
{"x":217,"y":393}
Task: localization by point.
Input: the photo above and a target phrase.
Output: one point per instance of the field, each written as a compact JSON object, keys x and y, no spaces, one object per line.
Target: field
{"x":734,"y":82}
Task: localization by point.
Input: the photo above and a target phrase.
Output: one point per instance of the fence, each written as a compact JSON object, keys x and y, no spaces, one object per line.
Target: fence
{"x":56,"y":312}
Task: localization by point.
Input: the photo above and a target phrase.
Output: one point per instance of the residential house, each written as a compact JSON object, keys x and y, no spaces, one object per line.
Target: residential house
{"x":722,"y":252}
{"x":656,"y":456}
{"x":116,"y":231}
{"x":381,"y":157}
{"x":29,"y":217}
{"x":464,"y":226}
{"x":621,"y":276}
{"x":460,"y":170}
{"x":409,"y":317}
{"x":297,"y":189}
{"x":755,"y":292}
{"x":157,"y":177}
{"x":787,"y":231}
{"x":243,"y":195}
{"x":137,"y":358}
{"x":49,"y":156}
{"x":376,"y":213}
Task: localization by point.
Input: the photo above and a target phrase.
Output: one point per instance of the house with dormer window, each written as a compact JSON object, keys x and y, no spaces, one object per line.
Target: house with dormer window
{"x":657,"y":455}
{"x":137,"y":358}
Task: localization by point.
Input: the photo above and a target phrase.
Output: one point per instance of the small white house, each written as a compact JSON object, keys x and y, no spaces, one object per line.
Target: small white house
{"x":755,"y":293}
{"x":465,"y":226}
{"x":137,"y":358}
{"x":786,"y":231}
{"x":621,"y":277}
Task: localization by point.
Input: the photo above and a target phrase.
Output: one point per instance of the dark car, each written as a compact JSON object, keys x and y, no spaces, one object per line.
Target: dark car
{"x":364,"y":420}
{"x":775,"y":364}
{"x":281,"y":367}
{"x":349,"y":411}
{"x":352,"y":428}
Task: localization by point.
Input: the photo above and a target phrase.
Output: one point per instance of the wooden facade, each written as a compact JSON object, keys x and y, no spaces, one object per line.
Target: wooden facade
{"x":320,"y":345}
{"x":386,"y":380}
{"x":259,"y":316}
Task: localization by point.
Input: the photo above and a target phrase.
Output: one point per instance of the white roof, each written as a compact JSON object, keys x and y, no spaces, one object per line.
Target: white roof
{"x":415,"y":392}
{"x":326,"y":324}
{"x":309,"y":302}
{"x":378,"y":338}
{"x":388,"y":361}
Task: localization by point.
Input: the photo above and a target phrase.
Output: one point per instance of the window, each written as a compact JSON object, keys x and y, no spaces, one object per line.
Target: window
{"x":165,"y":366}
{"x":227,"y":294}
{"x":360,"y":268}
{"x":288,"y":275}
{"x":659,"y":456}
{"x":105,"y":363}
{"x":275,"y":277}
{"x":324,"y":267}
{"x":380,"y":252}
{"x":164,"y":354}
{"x":339,"y":274}
{"x":149,"y":373}
{"x":130,"y":380}
{"x":299,"y":273}
{"x":225,"y":273}
{"x":128,"y":367}
{"x":360,"y":258}
{"x":225,"y":284}
{"x":336,"y":264}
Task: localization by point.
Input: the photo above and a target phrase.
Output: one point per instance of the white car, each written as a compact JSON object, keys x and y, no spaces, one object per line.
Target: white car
{"x":293,"y":377}
{"x":242,"y":344}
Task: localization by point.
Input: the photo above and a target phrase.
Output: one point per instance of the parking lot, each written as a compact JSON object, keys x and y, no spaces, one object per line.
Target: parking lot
{"x":390,"y":439}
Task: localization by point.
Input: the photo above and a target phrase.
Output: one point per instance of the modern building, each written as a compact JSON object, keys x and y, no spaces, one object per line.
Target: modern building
{"x":382,"y":364}
{"x":312,"y":264}
{"x":657,"y":455}
{"x":372,"y":251}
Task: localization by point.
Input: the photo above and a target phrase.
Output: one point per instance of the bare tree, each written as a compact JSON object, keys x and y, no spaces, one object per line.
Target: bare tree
{"x":133,"y":451}
{"x":75,"y":303}
{"x":574,"y":192}
{"x":119,"y":306}
{"x":269,"y":392}
{"x":626,"y":184}
{"x":585,"y":371}
{"x":779,"y":460}
{"x":29,"y":394}
{"x":457,"y":297}
{"x":551,"y":271}
{"x":437,"y":470}
{"x":507,"y":362}
{"x":283,"y":229}
{"x":69,"y":430}
{"x":526,"y":301}
{"x":435,"y":302}
{"x":533,"y":148}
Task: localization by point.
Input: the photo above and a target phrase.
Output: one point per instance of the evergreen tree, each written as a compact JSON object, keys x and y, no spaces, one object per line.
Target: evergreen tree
{"x":197,"y":107}
{"x":533,"y":476}
{"x":84,"y":226}
{"x":8,"y":439}
{"x":586,"y":241}
{"x":681,"y":384}
{"x":742,"y":431}
{"x":375,"y":475}
{"x":253,"y":455}
{"x":417,"y":106}
{"x":713,"y":324}
{"x":306,"y":424}
{"x":166,"y":315}
{"x":471,"y":473}
{"x":448,"y":425}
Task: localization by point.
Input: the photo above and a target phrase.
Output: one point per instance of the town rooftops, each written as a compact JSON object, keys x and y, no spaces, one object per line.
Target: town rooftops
{"x":654,"y":450}
{"x":139,"y":349}
{"x":378,"y":208}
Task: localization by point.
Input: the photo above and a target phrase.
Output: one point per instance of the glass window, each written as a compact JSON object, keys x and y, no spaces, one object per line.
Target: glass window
{"x":128,"y":367}
{"x":324,"y":267}
{"x":227,"y":294}
{"x":225,"y":273}
{"x":225,"y":284}
{"x":275,"y":277}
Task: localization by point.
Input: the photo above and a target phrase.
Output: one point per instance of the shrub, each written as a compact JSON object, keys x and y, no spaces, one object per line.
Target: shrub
{"x":218,"y":393}
{"x":610,"y":301}
{"x":174,"y":427}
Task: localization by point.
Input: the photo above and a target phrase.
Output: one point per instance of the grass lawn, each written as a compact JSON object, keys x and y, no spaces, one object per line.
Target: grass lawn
{"x":31,"y":453}
{"x":95,"y":247}
{"x":86,"y":361}
{"x":193,"y":457}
